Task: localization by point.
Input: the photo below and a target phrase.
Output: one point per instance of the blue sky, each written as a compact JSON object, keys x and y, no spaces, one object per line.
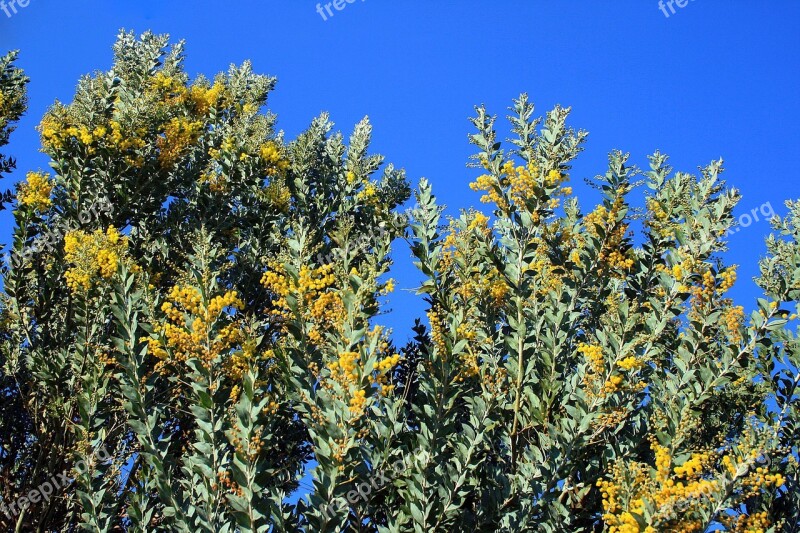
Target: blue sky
{"x":716,"y":78}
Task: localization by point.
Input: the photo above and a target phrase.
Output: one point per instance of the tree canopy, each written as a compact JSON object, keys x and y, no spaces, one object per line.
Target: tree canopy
{"x":189,"y":329}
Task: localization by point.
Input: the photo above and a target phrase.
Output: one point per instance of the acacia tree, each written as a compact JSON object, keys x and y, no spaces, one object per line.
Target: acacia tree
{"x":190,"y":328}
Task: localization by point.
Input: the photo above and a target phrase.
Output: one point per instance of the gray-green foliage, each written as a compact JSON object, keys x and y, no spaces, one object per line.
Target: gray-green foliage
{"x":215,"y":331}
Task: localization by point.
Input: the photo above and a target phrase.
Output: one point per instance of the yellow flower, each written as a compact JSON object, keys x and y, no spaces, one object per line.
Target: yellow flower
{"x":202,"y":329}
{"x":479,"y":221}
{"x":272,"y":155}
{"x":204,"y":97}
{"x":388,"y":363}
{"x":632,"y":485}
{"x":388,"y":287}
{"x":369,"y":194}
{"x":358,"y":402}
{"x":179,"y":135}
{"x":727,"y":279}
{"x":594,"y":355}
{"x":554,"y":177}
{"x":630,"y":363}
{"x":53,"y":131}
{"x":314,"y":291}
{"x":575,"y":257}
{"x":35,"y":192}
{"x":94,"y":257}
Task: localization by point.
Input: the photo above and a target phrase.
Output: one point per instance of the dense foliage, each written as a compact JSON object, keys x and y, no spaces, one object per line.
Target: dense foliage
{"x":189,"y":329}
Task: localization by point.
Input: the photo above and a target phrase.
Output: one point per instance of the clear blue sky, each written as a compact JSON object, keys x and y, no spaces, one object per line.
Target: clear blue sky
{"x":716,"y":78}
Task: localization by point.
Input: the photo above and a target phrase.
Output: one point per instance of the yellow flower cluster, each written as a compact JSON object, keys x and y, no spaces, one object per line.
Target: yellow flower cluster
{"x":654,"y":206}
{"x":612,"y":254}
{"x":630,"y":363}
{"x":596,"y":381}
{"x":693,"y":466}
{"x":358,"y":402}
{"x":470,"y":366}
{"x":595,"y":373}
{"x":727,"y":278}
{"x":179,"y":135}
{"x":169,"y":90}
{"x":614,"y":494}
{"x":278,"y":195}
{"x":677,"y":494}
{"x":761,"y":478}
{"x":438,"y":325}
{"x":249,"y":108}
{"x":388,"y":287}
{"x":387,"y":359}
{"x":733,"y":318}
{"x":345,"y":369}
{"x":613,"y":384}
{"x":545,"y":270}
{"x":52,"y":131}
{"x":369,"y":195}
{"x":707,"y":290}
{"x":594,"y":356}
{"x":125,"y":140}
{"x":35,"y":192}
{"x":205,"y":98}
{"x":93,"y":256}
{"x":611,"y":418}
{"x":617,"y":259}
{"x":490,"y":185}
{"x":274,"y":157}
{"x":387,"y":363}
{"x":466,"y":331}
{"x":193,"y":326}
{"x":659,"y":222}
{"x":479,"y":221}
{"x":162,"y":82}
{"x":521,"y":183}
{"x":492,"y":286}
{"x":754,"y":523}
{"x":575,"y":257}
{"x":318,"y":302}
{"x":56,"y":132}
{"x":239,"y":363}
